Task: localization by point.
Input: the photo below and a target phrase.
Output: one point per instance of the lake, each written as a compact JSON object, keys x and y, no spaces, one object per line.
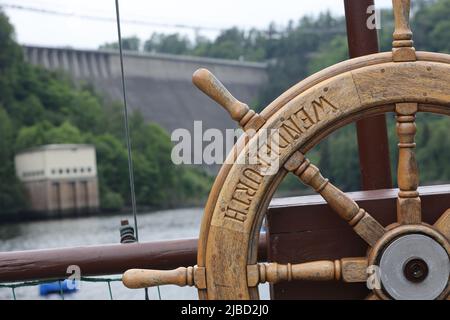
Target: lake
{"x":155,"y":226}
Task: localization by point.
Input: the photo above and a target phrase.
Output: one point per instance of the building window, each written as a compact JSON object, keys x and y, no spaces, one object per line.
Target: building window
{"x":67,"y":170}
{"x":75,"y":170}
{"x":82,"y":170}
{"x":60,"y":171}
{"x":89,"y":169}
{"x":53,"y":171}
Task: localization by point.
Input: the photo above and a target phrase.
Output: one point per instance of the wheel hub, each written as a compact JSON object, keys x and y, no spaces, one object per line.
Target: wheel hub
{"x":413,"y":267}
{"x":416,"y":270}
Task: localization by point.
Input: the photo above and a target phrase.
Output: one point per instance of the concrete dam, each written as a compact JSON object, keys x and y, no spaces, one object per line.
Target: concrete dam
{"x":159,"y":85}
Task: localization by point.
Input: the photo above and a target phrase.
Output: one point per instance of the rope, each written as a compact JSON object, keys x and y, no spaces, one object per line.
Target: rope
{"x":110,"y":291}
{"x":127,"y":129}
{"x":61,"y":293}
{"x":127,"y":134}
{"x":159,"y":292}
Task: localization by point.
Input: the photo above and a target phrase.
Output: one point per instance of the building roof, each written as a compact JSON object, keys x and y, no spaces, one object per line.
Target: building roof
{"x":62,"y":146}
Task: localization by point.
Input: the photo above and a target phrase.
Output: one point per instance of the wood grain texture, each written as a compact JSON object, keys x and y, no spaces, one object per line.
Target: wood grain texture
{"x":309,"y":222}
{"x":323,"y":107}
{"x":403,"y":49}
{"x":415,"y":82}
{"x":354,"y":269}
{"x":372,"y":296}
{"x":443,"y":224}
{"x":311,"y":271}
{"x":342,"y":67}
{"x":239,"y":111}
{"x":402,"y":10}
{"x":323,"y":75}
{"x":408,"y":203}
{"x":347,"y":270}
{"x":305,"y":114}
{"x":363,"y":223}
{"x":182,"y":276}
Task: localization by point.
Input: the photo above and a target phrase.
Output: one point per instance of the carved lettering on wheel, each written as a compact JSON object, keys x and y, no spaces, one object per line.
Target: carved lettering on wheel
{"x":304,"y":119}
{"x":243,"y":195}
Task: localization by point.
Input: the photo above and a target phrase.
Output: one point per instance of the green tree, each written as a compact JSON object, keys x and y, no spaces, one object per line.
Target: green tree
{"x":112,"y":165}
{"x":41,"y":107}
{"x":11,"y":193}
{"x":45,"y":133}
{"x":128,"y":43}
{"x":431,"y":25}
{"x":171,"y":43}
{"x":10,"y":58}
{"x":329,"y":54}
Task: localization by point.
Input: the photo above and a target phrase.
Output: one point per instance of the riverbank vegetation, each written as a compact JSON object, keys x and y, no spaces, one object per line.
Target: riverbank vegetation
{"x":310,"y":44}
{"x":40,"y":107}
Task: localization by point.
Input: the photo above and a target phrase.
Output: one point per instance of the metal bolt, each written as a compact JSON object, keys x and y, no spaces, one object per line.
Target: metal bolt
{"x":416,"y":270}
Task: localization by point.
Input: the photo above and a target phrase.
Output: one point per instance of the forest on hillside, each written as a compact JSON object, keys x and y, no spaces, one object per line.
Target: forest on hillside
{"x":310,"y":44}
{"x":39,"y":107}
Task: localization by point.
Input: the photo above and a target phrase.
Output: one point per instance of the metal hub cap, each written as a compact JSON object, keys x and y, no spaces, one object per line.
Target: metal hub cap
{"x":414,"y":267}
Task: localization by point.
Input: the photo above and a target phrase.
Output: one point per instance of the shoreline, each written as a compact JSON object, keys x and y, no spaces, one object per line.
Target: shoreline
{"x":29,"y":216}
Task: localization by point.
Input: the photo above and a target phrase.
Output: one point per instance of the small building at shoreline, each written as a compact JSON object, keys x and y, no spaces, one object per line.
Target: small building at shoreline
{"x":60,"y":179}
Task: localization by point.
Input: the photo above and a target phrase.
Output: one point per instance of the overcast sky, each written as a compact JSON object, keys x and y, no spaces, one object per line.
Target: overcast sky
{"x":81,"y":32}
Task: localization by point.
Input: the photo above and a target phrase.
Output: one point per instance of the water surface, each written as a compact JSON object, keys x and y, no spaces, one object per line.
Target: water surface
{"x":160,"y":225}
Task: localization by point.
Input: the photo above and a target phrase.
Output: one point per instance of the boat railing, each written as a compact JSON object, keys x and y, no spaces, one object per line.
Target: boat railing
{"x":99,"y":263}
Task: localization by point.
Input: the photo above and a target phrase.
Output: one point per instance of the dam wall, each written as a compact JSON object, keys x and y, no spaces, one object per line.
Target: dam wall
{"x":159,"y":85}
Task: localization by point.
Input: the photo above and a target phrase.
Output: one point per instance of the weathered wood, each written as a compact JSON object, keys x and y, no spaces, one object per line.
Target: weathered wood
{"x":391,"y":84}
{"x":354,"y":269}
{"x":408,"y":203}
{"x":115,"y":259}
{"x":401,"y":230}
{"x":347,"y":270}
{"x":443,"y":224}
{"x":96,"y":260}
{"x":362,"y":222}
{"x":323,"y":75}
{"x":403,"y":49}
{"x":236,"y":207}
{"x":239,"y":111}
{"x":144,"y":278}
{"x":312,"y":271}
{"x":303,"y":116}
{"x":372,"y":296}
{"x":401,"y":14}
{"x":339,"y":68}
{"x":309,"y":222}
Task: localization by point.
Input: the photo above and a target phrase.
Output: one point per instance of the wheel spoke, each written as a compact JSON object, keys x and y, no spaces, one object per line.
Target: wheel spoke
{"x":408,"y":200}
{"x":363,"y":223}
{"x":372,"y":296}
{"x":443,"y":224}
{"x":347,"y":270}
{"x":182,"y":276}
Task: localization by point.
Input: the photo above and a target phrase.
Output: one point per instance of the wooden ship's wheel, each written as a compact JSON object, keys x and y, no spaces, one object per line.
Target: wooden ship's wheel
{"x":406,"y":260}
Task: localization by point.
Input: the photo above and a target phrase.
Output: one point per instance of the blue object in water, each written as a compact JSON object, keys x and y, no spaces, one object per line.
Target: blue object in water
{"x":66,"y":286}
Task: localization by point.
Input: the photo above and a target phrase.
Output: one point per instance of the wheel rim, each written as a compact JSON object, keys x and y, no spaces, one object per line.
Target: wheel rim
{"x":223,"y":240}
